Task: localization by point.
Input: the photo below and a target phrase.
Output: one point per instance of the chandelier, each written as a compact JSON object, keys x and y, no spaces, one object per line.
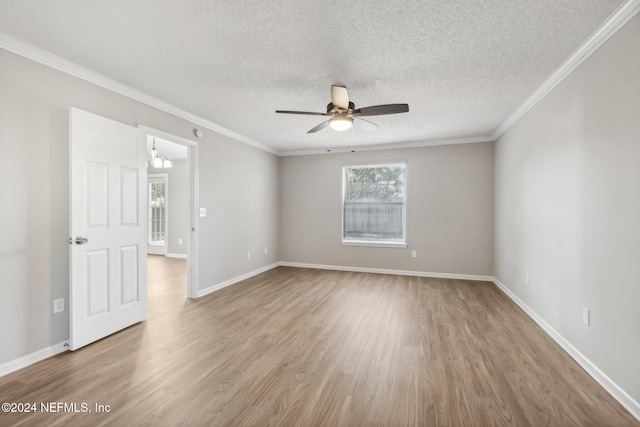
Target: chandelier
{"x":156,"y":160}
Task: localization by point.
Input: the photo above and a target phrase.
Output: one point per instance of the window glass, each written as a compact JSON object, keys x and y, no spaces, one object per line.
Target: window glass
{"x":157,"y":213}
{"x":374,"y":203}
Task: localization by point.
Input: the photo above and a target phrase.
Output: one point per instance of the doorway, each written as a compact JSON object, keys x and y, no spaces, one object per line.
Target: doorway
{"x":108,"y":258}
{"x":172,"y":200}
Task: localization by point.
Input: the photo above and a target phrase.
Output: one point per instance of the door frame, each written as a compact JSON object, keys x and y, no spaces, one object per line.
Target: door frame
{"x":192,"y":171}
{"x":163,"y":177}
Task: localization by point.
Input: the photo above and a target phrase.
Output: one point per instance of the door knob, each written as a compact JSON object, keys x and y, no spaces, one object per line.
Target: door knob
{"x":81,"y":240}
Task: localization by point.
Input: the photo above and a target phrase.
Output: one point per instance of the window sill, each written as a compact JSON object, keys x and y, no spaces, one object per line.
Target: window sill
{"x":374,"y":243}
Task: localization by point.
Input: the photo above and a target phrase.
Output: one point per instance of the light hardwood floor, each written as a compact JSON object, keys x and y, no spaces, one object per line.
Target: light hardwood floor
{"x":301,"y":347}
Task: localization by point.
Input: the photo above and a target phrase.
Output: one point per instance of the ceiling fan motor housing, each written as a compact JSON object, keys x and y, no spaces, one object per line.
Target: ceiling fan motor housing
{"x":331,"y":109}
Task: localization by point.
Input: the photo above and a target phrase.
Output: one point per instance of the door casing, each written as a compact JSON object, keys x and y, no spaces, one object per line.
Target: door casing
{"x":192,"y":171}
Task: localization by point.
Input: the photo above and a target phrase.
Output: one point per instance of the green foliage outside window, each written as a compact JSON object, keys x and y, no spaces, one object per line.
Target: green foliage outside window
{"x":383,"y":184}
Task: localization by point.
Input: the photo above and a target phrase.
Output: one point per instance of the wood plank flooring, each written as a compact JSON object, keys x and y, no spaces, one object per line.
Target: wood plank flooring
{"x":298,"y":347}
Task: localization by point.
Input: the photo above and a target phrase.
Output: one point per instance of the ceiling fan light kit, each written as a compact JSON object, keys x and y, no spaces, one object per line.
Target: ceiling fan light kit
{"x":343,"y":112}
{"x":341,"y":123}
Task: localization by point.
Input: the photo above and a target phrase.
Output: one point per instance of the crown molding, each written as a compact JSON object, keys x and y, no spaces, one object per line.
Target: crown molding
{"x":616,"y":21}
{"x":391,"y":146}
{"x":33,"y":53}
{"x":28,"y":51}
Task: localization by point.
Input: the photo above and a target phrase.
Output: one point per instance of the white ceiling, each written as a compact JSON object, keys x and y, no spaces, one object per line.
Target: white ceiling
{"x":168,"y":149}
{"x":462,"y":66}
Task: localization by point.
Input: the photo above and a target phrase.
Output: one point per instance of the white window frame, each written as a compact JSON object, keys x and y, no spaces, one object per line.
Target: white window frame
{"x":395,"y":243}
{"x":157,"y":249}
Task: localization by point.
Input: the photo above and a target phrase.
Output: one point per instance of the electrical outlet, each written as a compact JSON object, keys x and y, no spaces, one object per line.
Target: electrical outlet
{"x":179,"y":241}
{"x":203,"y":212}
{"x":266,"y":250}
{"x":586,"y":316}
{"x":248,"y":255}
{"x":58,"y":305}
{"x":414,"y":254}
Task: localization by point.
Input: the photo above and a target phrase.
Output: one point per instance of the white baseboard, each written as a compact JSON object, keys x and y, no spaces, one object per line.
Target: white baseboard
{"x":29,"y":359}
{"x":387,"y":271}
{"x":206,"y":291}
{"x":614,"y":389}
{"x":170,"y":255}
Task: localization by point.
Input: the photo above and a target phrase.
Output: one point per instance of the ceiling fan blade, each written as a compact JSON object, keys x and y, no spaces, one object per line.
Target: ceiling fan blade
{"x":319,"y":127}
{"x":380,"y":110}
{"x":368,"y":125}
{"x":306,"y":113}
{"x":340,"y":97}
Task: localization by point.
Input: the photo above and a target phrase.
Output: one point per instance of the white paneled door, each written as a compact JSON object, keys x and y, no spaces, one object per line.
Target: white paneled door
{"x":108,"y":211}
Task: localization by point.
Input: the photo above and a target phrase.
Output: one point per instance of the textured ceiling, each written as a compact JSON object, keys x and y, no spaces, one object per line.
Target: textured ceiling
{"x":462,"y":66}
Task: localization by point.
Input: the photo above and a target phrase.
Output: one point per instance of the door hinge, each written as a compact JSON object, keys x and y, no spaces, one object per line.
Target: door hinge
{"x":70,"y":240}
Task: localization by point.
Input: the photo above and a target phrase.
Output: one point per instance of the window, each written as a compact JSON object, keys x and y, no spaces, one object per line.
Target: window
{"x":373,"y":209}
{"x":157,"y":211}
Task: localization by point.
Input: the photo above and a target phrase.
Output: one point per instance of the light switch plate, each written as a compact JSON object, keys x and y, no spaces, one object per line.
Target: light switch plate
{"x":203,"y":212}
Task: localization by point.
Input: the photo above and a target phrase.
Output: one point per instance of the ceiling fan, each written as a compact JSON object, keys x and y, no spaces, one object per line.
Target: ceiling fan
{"x":342,"y":111}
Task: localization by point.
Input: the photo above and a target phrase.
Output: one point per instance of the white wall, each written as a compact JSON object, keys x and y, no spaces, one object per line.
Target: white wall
{"x":449,"y":210}
{"x":567,"y":208}
{"x":241,"y":196}
{"x":179,"y":223}
{"x":237,"y":185}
